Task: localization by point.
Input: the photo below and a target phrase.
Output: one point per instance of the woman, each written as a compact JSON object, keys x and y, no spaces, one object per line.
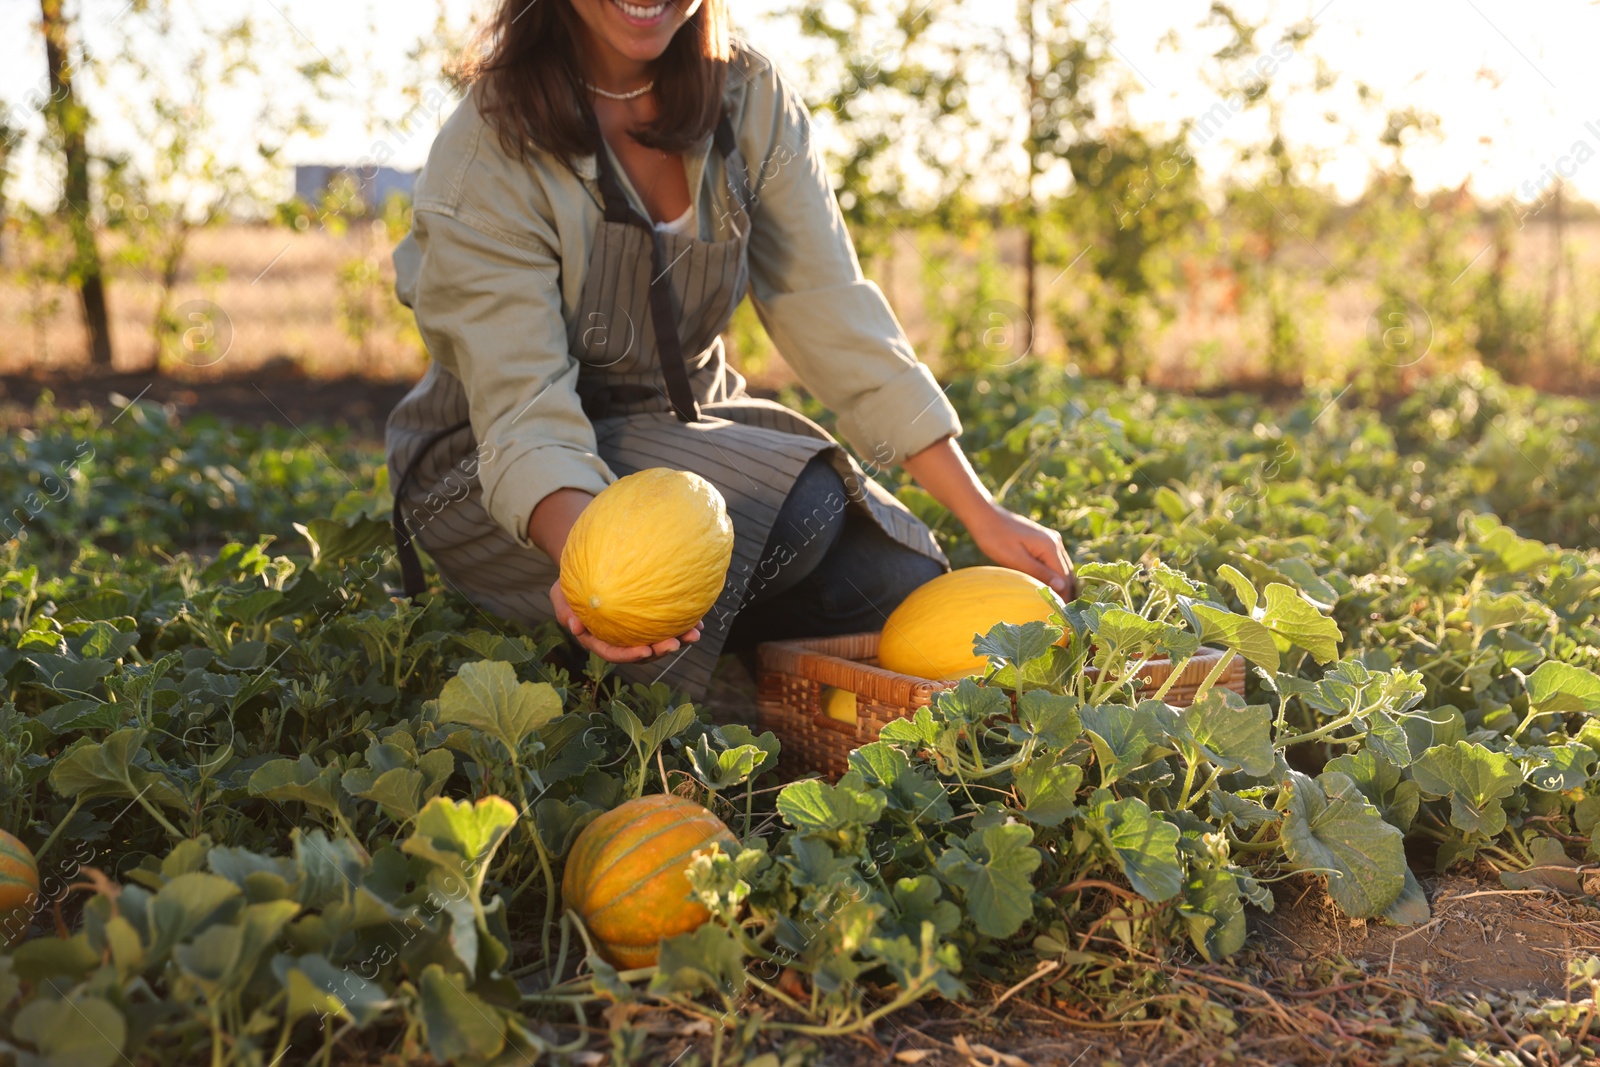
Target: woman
{"x":619,"y":176}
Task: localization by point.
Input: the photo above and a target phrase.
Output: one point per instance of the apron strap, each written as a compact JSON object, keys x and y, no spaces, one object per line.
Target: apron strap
{"x":412,"y":580}
{"x":669,"y":343}
{"x":733,"y":164}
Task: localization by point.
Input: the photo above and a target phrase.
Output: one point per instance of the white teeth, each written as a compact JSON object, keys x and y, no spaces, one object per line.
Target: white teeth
{"x":639,"y":12}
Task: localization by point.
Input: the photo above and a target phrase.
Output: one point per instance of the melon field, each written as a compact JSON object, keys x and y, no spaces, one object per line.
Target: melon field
{"x":282,"y":816}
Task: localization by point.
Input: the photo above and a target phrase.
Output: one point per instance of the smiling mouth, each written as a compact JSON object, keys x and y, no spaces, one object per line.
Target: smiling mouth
{"x":641,"y":13}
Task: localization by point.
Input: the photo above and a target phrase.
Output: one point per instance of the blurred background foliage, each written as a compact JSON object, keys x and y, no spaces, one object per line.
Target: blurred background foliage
{"x":1058,"y":228}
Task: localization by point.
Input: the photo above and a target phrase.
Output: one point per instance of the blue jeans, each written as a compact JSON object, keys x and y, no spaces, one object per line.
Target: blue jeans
{"x":827,"y":568}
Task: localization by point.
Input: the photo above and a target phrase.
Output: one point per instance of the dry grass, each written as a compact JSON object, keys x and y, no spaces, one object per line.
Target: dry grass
{"x":285,"y":294}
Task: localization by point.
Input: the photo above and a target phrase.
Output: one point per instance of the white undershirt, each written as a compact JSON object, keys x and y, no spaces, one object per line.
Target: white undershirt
{"x":683,"y":224}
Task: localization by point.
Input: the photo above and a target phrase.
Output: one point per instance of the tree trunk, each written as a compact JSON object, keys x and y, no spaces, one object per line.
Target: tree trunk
{"x":71,"y":120}
{"x":1030,"y":259}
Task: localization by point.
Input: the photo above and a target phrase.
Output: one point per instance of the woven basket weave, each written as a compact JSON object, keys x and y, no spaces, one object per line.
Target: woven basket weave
{"x":798,"y":680}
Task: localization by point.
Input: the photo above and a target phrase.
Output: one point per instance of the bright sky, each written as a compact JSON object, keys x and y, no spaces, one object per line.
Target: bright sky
{"x":1515,"y":85}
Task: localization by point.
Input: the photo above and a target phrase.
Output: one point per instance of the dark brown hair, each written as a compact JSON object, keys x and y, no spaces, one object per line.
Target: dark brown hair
{"x":525,"y":63}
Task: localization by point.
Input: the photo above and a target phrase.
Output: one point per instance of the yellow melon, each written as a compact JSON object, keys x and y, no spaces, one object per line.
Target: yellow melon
{"x":648,"y":557}
{"x":930,"y":634}
{"x":626,"y":880}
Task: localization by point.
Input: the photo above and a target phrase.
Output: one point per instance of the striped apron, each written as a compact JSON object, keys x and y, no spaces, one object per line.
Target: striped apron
{"x":648,"y":297}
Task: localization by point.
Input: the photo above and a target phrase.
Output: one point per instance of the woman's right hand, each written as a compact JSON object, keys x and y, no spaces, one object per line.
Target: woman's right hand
{"x":604,"y":649}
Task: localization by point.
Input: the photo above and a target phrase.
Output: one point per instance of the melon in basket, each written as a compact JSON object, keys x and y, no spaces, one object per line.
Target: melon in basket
{"x":930,"y":634}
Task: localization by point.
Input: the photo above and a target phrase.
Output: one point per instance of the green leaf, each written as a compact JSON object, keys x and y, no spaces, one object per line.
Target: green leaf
{"x":1474,"y":778}
{"x":1396,"y":797}
{"x":1009,"y":643}
{"x":1144,"y":845}
{"x":303,"y":780}
{"x":316,"y":986}
{"x":1410,"y":908}
{"x":1558,"y":770}
{"x":910,"y":790}
{"x":461,"y":1025}
{"x":1242,"y":587}
{"x":1330,"y":828}
{"x":1127,"y":738}
{"x":487,"y":697}
{"x":460,"y":837}
{"x":992,"y":867}
{"x":1294,"y":621}
{"x":724,"y":769}
{"x":181,"y":906}
{"x":115,"y":767}
{"x":559,"y":823}
{"x":1051,"y":717}
{"x":1552,"y":868}
{"x":814,"y":807}
{"x":1561,"y":687}
{"x":970,"y":702}
{"x":1048,"y":791}
{"x":1213,"y":911}
{"x":76,"y":1031}
{"x":709,"y":959}
{"x":1231,"y":734}
{"x":1252,"y":639}
{"x":1242,"y":811}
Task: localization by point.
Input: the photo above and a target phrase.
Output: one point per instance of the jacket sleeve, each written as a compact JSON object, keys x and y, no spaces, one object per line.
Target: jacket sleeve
{"x":487,"y":302}
{"x":831,"y":324}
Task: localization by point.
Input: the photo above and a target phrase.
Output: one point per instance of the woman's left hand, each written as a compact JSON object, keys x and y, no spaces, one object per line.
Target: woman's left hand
{"x":1014,"y":541}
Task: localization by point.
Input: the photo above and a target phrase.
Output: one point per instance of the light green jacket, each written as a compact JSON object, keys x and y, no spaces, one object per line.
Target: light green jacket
{"x":499,"y":249}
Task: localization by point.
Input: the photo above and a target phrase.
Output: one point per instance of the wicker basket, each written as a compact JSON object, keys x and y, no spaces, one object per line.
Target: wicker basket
{"x":825,"y":696}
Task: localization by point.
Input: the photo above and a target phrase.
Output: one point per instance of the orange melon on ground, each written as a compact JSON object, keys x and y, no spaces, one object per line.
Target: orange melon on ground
{"x":19,"y":887}
{"x":625,"y":877}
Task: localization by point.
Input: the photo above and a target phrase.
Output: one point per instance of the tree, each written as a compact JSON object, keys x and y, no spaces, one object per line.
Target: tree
{"x":68,"y":122}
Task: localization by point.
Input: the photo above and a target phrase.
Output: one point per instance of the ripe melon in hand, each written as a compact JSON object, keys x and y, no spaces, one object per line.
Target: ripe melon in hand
{"x":930,"y":634}
{"x":648,"y":557}
{"x":626,"y":875}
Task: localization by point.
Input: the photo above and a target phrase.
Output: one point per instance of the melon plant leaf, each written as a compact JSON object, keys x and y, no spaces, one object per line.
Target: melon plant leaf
{"x":1243,"y":811}
{"x":921,"y":899}
{"x":1242,"y":587}
{"x":1051,"y":717}
{"x":736,"y":734}
{"x":1009,"y":643}
{"x":1491,"y":611}
{"x":487,"y":696}
{"x":1250,"y":638}
{"x":993,"y":869}
{"x":397,"y":791}
{"x":1294,"y":621}
{"x":182,"y":905}
{"x":1048,"y":791}
{"x":1231,"y":734}
{"x":1213,"y":911}
{"x":722,"y":769}
{"x":1127,"y":738}
{"x":1330,"y":828}
{"x":970,"y":702}
{"x":117,"y":766}
{"x":1474,"y":778}
{"x":559,"y":823}
{"x":1144,"y":845}
{"x":1396,"y":797}
{"x":710,"y":959}
{"x":315,"y":985}
{"x":1552,"y":868}
{"x":908,"y":790}
{"x":303,"y":780}
{"x":816,"y":808}
{"x":74,"y":1031}
{"x":1410,"y":908}
{"x":461,"y":836}
{"x":1557,"y":770}
{"x":1562,"y":687}
{"x":461,"y":1026}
